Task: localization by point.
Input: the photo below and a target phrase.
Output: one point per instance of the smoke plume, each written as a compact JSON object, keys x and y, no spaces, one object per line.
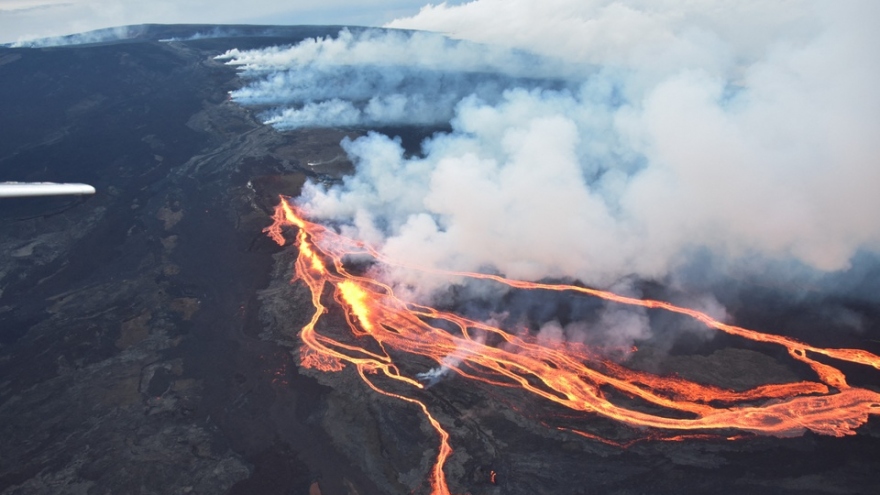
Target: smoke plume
{"x":599,"y":140}
{"x":376,"y":78}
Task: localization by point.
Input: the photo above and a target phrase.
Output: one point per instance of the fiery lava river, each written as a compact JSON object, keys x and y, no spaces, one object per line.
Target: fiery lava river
{"x":571,"y":375}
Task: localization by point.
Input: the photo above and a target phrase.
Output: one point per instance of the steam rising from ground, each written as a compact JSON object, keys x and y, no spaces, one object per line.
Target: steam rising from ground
{"x":375,"y":78}
{"x":747,"y":130}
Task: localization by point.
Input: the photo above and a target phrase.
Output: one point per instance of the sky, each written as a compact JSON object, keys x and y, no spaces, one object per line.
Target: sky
{"x":27,"y":19}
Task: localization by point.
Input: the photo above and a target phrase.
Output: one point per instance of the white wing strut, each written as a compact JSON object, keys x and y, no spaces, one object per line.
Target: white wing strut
{"x":27,"y":189}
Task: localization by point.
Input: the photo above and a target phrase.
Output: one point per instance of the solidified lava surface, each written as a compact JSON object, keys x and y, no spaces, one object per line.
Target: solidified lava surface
{"x":148,"y":335}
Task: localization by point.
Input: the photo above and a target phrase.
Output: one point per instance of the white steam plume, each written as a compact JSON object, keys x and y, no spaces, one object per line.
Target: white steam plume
{"x":379,"y":78}
{"x":466,"y":349}
{"x":744,"y":129}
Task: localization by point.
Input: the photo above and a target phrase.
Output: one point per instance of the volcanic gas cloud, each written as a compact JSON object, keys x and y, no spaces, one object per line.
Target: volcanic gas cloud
{"x":598,"y":143}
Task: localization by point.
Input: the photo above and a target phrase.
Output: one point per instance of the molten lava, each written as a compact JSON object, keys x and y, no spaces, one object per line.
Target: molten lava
{"x":382,"y":325}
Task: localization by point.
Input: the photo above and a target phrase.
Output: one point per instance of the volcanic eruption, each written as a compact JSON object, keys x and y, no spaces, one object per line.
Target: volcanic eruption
{"x":565,"y":248}
{"x":572,"y":161}
{"x":383,"y":326}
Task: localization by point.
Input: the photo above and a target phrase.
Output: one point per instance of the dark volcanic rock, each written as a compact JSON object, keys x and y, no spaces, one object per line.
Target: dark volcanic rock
{"x":130,"y":358}
{"x":148,"y":334}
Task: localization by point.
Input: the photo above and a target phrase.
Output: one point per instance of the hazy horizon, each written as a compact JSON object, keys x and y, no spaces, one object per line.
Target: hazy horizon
{"x":22,"y":20}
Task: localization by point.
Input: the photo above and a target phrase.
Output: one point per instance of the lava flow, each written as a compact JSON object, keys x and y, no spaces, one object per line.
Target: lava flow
{"x":382,"y":325}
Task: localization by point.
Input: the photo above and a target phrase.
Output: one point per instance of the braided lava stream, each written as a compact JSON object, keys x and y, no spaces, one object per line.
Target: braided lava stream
{"x":567,"y":374}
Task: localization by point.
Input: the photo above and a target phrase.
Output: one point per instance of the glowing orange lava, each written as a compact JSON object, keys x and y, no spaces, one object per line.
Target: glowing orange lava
{"x":566,"y":374}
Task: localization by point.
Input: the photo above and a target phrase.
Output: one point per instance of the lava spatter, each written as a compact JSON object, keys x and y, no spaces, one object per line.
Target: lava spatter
{"x":381,"y":324}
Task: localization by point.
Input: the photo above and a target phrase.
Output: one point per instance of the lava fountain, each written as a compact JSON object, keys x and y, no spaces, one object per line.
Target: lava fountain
{"x":383,"y":326}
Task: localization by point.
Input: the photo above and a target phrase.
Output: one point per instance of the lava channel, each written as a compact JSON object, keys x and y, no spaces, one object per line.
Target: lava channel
{"x":381,"y":324}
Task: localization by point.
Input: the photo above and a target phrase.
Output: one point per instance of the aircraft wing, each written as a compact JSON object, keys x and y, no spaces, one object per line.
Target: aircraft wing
{"x":28,"y":189}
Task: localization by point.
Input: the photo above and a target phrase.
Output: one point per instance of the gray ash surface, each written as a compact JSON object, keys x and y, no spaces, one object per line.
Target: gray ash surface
{"x":148,"y":334}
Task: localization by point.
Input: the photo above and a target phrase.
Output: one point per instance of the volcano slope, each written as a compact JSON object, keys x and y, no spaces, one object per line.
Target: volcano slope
{"x":149,"y":335}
